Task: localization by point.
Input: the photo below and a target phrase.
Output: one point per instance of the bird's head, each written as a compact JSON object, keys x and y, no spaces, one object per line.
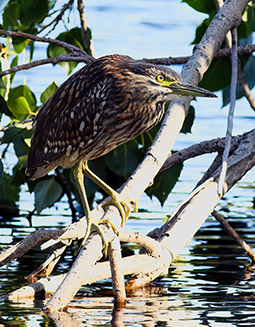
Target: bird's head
{"x":160,"y":82}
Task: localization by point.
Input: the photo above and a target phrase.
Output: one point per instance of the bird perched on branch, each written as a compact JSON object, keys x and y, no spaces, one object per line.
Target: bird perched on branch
{"x":106,"y":103}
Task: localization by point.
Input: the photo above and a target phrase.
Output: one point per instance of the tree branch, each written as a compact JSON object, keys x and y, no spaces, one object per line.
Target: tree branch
{"x":234,"y":60}
{"x":55,"y":21}
{"x":53,"y":60}
{"x":198,"y":149}
{"x":73,"y":49}
{"x":243,"y":49}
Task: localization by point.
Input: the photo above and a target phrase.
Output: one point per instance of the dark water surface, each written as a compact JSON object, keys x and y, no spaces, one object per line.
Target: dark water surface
{"x":209,"y":284}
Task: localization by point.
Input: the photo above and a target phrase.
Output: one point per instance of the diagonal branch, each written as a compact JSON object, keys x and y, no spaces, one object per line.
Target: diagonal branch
{"x":53,"y":60}
{"x":73,"y":49}
{"x":243,"y":49}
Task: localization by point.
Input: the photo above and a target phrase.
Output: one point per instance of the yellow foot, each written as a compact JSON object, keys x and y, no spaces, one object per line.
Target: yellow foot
{"x":93,"y":226}
{"x":123,"y":204}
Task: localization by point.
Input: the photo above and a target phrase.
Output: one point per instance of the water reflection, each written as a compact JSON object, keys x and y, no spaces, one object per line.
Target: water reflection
{"x":208,"y":284}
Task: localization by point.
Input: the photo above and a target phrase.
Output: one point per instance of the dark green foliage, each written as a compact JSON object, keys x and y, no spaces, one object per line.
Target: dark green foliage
{"x":124,"y":159}
{"x":204,"y":6}
{"x":9,"y":194}
{"x":189,"y":120}
{"x":218,"y":75}
{"x":249,"y":73}
{"x":164,"y":183}
{"x":47,"y":192}
{"x":48,"y":92}
{"x":74,"y":36}
{"x":4,"y":108}
{"x":21,"y":102}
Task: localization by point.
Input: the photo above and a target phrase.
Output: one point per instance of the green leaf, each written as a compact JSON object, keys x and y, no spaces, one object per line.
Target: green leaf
{"x":124,"y":159}
{"x":9,"y":191}
{"x":248,"y":22}
{"x":204,"y":6}
{"x":47,"y":192}
{"x":11,"y":16}
{"x":31,"y":48}
{"x":48,"y":92}
{"x":20,"y":146}
{"x":164,"y":183}
{"x":14,"y":63}
{"x":11,"y":134}
{"x":218,"y":75}
{"x":98,"y":167}
{"x":19,"y":44}
{"x":4,"y":108}
{"x":189,"y":120}
{"x":147,"y":138}
{"x":18,"y":175}
{"x":20,"y":108}
{"x":21,"y":101}
{"x":74,"y":36}
{"x":200,"y":30}
{"x":24,"y":91}
{"x":33,"y":10}
{"x":2,"y":84}
{"x":249,"y":73}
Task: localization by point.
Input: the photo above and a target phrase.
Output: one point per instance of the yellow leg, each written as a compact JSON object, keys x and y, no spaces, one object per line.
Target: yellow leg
{"x":91,"y":225}
{"x":120,"y":202}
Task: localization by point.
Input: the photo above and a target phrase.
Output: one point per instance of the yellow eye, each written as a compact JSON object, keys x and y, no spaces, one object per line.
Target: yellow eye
{"x":160,"y":78}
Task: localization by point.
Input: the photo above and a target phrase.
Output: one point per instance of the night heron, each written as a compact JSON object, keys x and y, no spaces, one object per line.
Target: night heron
{"x":106,"y":103}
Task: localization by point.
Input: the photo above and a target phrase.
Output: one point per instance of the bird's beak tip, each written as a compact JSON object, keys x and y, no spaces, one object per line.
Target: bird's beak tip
{"x":191,"y":90}
{"x":211,"y":95}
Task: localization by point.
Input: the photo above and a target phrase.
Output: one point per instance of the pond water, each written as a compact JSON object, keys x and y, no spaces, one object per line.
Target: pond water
{"x":209,"y":283}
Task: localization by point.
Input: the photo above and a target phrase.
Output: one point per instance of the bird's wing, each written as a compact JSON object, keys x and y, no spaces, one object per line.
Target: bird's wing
{"x":63,"y":125}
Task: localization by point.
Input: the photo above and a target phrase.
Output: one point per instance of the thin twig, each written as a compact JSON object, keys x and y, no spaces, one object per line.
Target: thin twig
{"x":234,"y":234}
{"x":53,"y":60}
{"x":84,"y":28}
{"x":175,"y":215}
{"x":234,"y":60}
{"x":26,"y":244}
{"x":45,"y":269}
{"x":242,"y":50}
{"x":55,"y":21}
{"x":23,"y":122}
{"x":198,"y":149}
{"x":75,"y":50}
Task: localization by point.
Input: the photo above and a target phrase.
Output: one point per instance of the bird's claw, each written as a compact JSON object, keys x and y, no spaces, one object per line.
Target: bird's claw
{"x":93,"y":226}
{"x":123,"y":204}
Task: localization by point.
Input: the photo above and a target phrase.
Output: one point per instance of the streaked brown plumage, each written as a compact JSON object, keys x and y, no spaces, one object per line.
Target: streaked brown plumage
{"x":106,"y":103}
